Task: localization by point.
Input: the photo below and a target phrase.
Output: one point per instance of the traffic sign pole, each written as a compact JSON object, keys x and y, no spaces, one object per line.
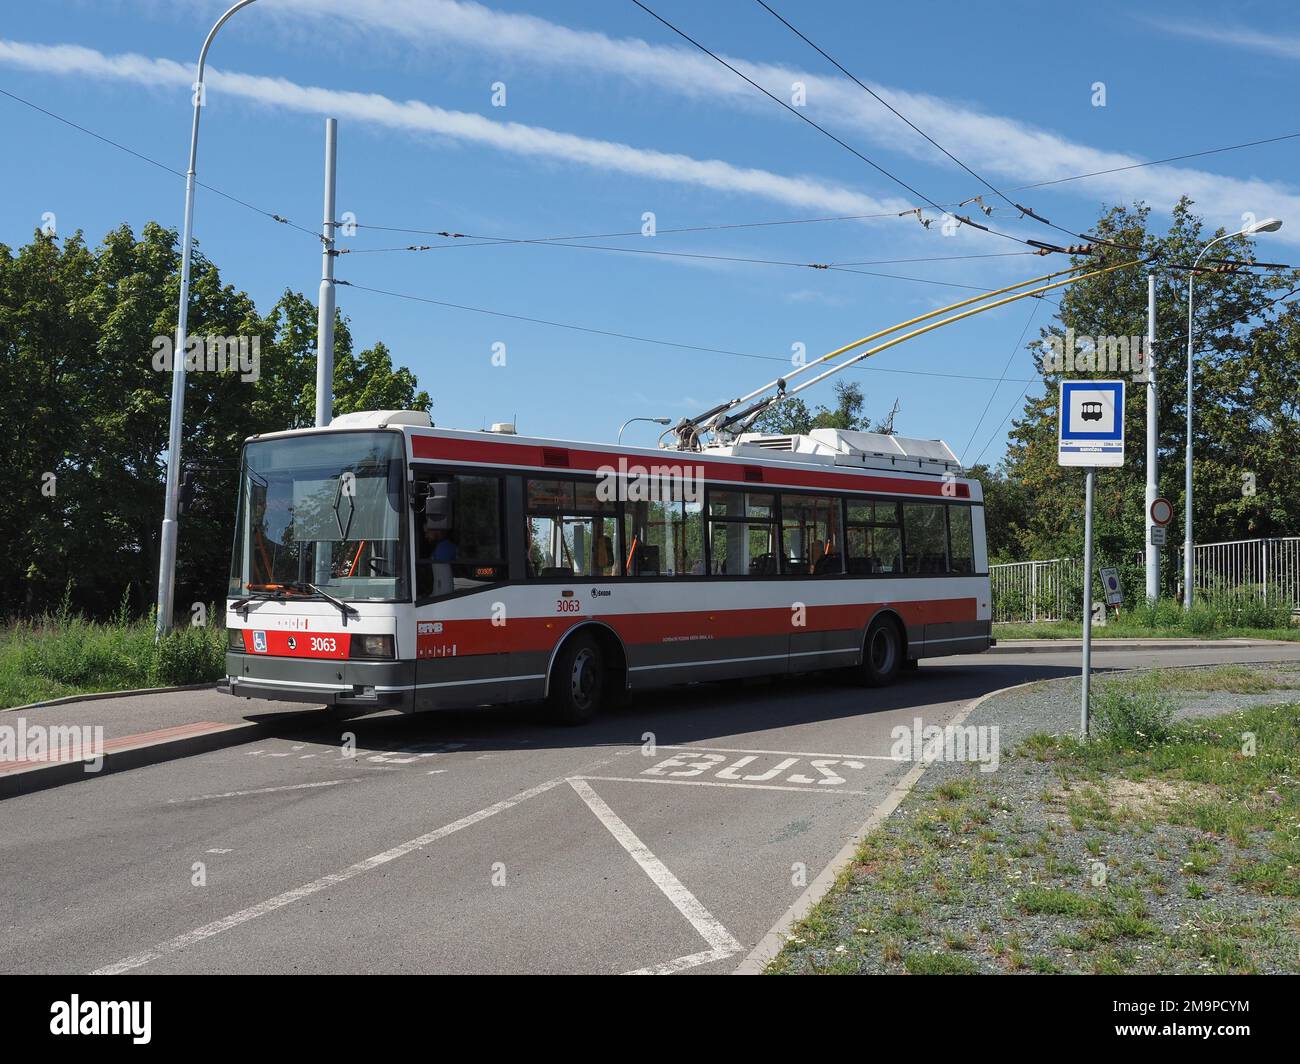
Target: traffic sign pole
{"x":1087,"y":603}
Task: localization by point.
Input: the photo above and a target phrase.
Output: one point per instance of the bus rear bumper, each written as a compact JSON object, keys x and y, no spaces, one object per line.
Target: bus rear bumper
{"x":356,"y":684}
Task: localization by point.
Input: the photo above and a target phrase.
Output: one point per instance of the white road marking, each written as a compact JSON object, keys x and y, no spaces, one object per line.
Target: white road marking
{"x":226,"y":923}
{"x":720,"y":940}
{"x":219,"y":851}
{"x":714,"y":783}
{"x":260,"y":790}
{"x":783,"y":753}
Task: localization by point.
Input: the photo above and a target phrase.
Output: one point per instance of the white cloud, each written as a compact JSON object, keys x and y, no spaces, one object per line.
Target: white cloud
{"x":1003,"y":148}
{"x":1278,"y":44}
{"x":413,"y":115}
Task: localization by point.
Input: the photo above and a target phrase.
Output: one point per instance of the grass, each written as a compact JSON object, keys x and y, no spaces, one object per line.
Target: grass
{"x":65,"y":654}
{"x":1122,"y":629}
{"x":1158,"y":846}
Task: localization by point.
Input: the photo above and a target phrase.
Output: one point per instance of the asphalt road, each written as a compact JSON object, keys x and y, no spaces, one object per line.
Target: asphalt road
{"x":479,"y":842}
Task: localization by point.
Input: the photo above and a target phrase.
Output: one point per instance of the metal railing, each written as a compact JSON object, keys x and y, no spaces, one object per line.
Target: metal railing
{"x":1037,"y":591}
{"x":1052,"y":590}
{"x":1270,"y":568}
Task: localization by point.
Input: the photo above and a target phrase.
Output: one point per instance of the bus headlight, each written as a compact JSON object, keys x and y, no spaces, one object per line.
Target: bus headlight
{"x":373,"y":646}
{"x":234,"y":639}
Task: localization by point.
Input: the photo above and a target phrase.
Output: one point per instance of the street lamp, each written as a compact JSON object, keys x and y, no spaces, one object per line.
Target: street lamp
{"x":654,"y":420}
{"x":167,"y":542}
{"x":1268,"y":225}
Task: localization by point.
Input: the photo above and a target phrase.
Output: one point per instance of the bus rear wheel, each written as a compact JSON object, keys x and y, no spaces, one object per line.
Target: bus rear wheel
{"x":882,"y":654}
{"x":577,"y":682}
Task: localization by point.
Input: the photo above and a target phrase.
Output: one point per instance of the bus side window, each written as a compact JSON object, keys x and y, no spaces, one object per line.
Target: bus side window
{"x":925,"y":536}
{"x":961,"y":540}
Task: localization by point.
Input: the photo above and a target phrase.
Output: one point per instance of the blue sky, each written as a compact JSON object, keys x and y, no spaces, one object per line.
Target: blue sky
{"x":608,"y":116}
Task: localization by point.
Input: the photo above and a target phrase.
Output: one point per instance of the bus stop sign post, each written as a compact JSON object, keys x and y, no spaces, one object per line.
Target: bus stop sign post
{"x":1091,"y":434}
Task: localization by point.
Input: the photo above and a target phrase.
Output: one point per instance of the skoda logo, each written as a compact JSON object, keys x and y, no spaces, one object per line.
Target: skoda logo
{"x":293,"y":643}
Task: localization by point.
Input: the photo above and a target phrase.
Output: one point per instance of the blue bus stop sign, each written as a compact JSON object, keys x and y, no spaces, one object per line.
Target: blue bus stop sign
{"x":1091,"y":424}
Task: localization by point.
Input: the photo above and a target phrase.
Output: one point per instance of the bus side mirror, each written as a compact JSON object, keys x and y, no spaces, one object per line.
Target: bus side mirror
{"x":437,"y":505}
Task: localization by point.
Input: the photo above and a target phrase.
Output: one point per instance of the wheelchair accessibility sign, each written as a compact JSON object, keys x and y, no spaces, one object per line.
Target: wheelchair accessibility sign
{"x":1091,"y":424}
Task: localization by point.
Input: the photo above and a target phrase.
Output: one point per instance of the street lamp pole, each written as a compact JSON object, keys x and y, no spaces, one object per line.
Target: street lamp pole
{"x":655,"y":420}
{"x":1268,"y":225}
{"x":167,"y":542}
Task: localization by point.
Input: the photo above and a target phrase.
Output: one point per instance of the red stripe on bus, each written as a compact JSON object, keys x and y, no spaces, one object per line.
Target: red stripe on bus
{"x":523,"y":634}
{"x":315,"y":645}
{"x":529,"y":455}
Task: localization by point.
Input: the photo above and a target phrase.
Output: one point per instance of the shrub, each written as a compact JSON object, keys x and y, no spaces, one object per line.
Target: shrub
{"x":1133,"y":720}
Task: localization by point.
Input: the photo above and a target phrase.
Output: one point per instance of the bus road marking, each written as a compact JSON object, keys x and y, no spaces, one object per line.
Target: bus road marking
{"x":719,"y":783}
{"x":793,"y":772}
{"x":720,"y":941}
{"x":782,"y":753}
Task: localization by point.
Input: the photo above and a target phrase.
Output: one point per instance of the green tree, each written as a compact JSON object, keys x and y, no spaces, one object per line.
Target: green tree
{"x":1246,"y":393}
{"x":86,"y":403}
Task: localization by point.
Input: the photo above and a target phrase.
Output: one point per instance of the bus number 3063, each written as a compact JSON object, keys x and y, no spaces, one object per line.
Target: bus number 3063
{"x":572,"y":605}
{"x":323,"y":645}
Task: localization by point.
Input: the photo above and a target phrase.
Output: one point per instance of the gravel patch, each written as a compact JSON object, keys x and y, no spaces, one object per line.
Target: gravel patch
{"x":1029,"y":868}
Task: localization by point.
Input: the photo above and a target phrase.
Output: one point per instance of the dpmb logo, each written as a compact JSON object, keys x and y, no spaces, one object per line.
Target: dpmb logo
{"x":1092,"y":423}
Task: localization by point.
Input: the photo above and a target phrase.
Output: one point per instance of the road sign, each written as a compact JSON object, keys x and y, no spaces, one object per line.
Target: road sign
{"x":1091,"y":426}
{"x":1159,"y":535}
{"x":1110,"y":581}
{"x":1162,"y":511}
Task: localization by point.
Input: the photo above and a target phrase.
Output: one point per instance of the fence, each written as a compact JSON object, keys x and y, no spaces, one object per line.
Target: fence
{"x":1268,"y":567}
{"x":1037,"y":591}
{"x":1053,"y":590}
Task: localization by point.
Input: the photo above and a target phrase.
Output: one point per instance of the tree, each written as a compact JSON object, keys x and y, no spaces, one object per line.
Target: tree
{"x":792,"y":416}
{"x":86,"y":407}
{"x":1246,"y":394}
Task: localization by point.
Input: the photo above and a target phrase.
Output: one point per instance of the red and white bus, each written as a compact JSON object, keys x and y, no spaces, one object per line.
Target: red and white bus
{"x":384,"y":563}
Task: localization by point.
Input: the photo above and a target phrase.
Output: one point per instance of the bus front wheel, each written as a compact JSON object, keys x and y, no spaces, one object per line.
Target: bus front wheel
{"x":577,"y":682}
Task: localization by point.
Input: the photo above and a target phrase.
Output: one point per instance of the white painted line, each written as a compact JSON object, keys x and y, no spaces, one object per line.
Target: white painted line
{"x":829,"y":791}
{"x":260,"y":790}
{"x":226,"y":923}
{"x":772,"y":943}
{"x":691,"y":960}
{"x":721,"y":943}
{"x":783,"y":753}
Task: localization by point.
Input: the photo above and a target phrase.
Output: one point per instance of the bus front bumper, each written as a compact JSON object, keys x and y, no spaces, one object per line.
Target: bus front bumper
{"x":360,"y":684}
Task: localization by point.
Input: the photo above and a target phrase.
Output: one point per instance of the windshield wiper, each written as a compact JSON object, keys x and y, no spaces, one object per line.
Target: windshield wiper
{"x":344,"y":608}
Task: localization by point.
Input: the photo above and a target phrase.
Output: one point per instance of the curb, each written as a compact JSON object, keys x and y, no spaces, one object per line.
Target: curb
{"x":95,"y":696}
{"x":1056,"y":646}
{"x":151,"y":748}
{"x":774,"y":941}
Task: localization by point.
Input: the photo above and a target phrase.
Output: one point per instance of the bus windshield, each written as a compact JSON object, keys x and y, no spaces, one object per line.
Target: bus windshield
{"x":326,"y":510}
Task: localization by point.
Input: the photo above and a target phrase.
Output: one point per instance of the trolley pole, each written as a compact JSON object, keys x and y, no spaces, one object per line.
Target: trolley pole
{"x":1153,"y":451}
{"x":325,"y":305}
{"x":1087,"y":603}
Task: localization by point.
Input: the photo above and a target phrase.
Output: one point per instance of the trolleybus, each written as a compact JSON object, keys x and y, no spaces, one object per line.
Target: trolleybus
{"x":384,"y":563}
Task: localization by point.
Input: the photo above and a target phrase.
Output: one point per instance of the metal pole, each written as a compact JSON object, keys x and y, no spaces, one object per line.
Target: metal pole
{"x":631,"y":420}
{"x":1086,"y":675}
{"x":325,"y":305}
{"x":1153,"y":437}
{"x":167,"y":541}
{"x":1187,"y":456}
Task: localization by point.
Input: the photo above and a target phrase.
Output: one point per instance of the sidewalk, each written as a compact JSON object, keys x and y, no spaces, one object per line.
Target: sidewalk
{"x":1059,"y":646}
{"x":135,"y":730}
